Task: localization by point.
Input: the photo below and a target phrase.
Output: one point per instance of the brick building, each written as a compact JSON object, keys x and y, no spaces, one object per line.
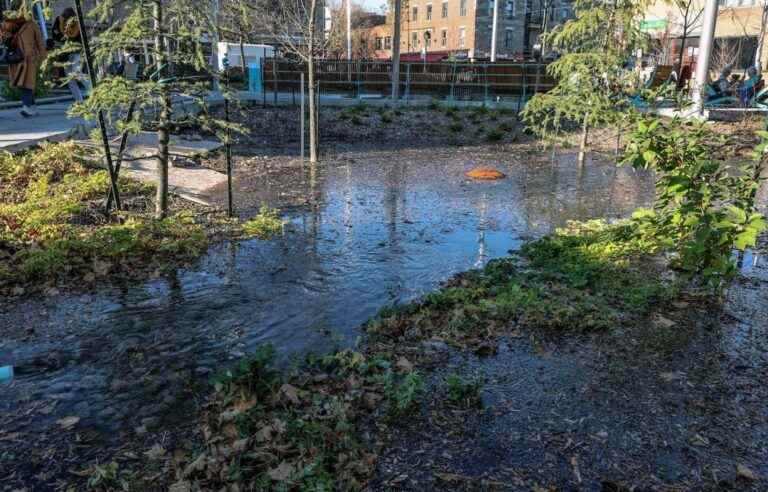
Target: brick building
{"x":736,"y":34}
{"x":462,"y":29}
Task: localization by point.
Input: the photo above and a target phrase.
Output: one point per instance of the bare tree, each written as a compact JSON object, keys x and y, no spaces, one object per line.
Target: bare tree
{"x":294,"y":24}
{"x":336,"y":42}
{"x":690,"y":15}
{"x":237,"y":22}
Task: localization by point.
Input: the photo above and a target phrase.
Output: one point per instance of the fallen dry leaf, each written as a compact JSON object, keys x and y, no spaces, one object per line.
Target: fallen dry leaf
{"x":745,"y":472}
{"x":68,"y":422}
{"x":283,"y":471}
{"x":404,"y":365}
{"x":290,"y":393}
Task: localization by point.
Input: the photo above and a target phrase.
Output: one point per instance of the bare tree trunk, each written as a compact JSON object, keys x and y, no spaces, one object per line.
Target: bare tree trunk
{"x":311,"y":83}
{"x":683,"y":38}
{"x":396,"y":51}
{"x":161,"y":199}
{"x":761,"y":39}
{"x":542,"y":42}
{"x":242,"y":56}
{"x":583,"y":143}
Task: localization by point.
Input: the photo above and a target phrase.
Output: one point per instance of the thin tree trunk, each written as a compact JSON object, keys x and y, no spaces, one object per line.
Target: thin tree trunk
{"x":679,"y":64}
{"x":396,"y":51}
{"x":761,"y":39}
{"x":311,"y":84}
{"x":242,"y":56}
{"x":161,"y":198}
{"x":542,"y":42}
{"x":584,"y":139}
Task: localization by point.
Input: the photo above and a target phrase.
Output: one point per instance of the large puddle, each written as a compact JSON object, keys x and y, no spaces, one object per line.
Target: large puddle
{"x":380,"y":228}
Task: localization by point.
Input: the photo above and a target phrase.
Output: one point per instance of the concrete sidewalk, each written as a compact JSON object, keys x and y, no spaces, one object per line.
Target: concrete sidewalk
{"x":52,"y":124}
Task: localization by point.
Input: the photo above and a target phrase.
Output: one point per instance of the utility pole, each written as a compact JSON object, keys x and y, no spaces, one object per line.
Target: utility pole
{"x":349,"y":29}
{"x":396,"y":50}
{"x":494,"y":32}
{"x":706,"y":42}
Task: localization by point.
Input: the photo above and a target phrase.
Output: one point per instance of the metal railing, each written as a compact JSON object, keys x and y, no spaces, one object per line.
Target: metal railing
{"x":443,"y":80}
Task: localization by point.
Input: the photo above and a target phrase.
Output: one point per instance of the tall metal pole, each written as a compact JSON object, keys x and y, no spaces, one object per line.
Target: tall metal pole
{"x":396,"y":50}
{"x":349,"y":29}
{"x":303,"y":115}
{"x":215,"y":45}
{"x":495,"y":30}
{"x":706,"y":42}
{"x":102,"y":123}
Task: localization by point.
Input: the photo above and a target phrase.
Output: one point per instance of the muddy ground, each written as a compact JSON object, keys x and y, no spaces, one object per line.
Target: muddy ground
{"x":678,"y":407}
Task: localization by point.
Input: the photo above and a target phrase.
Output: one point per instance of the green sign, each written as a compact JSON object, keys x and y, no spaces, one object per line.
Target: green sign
{"x":653,"y":25}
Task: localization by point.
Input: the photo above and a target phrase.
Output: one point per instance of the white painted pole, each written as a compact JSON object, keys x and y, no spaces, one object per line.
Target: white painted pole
{"x":349,"y":29}
{"x":706,"y":42}
{"x":494,"y":32}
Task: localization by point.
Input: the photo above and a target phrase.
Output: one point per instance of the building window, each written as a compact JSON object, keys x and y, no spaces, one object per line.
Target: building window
{"x":462,"y":37}
{"x":378,"y":43}
{"x":428,"y":39}
{"x":463,"y":8}
{"x":414,"y":39}
{"x":509,"y":9}
{"x":388,"y":43}
{"x":509,"y":39}
{"x":415,"y":14}
{"x":429,"y":12}
{"x":444,"y":38}
{"x":445,"y":10}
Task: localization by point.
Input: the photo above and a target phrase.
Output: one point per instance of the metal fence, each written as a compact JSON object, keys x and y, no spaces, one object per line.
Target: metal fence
{"x":444,"y":80}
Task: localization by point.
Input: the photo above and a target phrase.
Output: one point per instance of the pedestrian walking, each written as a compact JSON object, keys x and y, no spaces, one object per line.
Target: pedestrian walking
{"x":25,"y":42}
{"x":66,"y":29}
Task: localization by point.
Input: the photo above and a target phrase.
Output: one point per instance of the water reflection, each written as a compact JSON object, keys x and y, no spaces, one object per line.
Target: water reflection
{"x":365,"y":232}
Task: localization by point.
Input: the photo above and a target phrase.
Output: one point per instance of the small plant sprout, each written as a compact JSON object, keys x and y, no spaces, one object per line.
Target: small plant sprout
{"x":464,"y":392}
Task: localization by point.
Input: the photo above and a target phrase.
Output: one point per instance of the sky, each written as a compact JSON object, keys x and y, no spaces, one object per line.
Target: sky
{"x":374,"y":5}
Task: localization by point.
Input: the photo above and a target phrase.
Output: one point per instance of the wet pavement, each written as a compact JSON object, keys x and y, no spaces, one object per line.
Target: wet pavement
{"x":365,"y":230}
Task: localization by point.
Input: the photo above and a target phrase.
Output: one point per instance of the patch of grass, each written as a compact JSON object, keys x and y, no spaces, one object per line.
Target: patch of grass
{"x":494,"y":135}
{"x":456,"y":127}
{"x":506,"y":127}
{"x":583,"y":278}
{"x":451,"y":111}
{"x":463,"y":392}
{"x":51,"y":226}
{"x":386,"y":117}
{"x":403,"y":397}
{"x":265,"y":225}
{"x":356,"y":120}
{"x":481,"y":110}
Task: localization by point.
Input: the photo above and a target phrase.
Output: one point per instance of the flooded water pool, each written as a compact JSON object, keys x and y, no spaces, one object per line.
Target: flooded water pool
{"x":364,"y":231}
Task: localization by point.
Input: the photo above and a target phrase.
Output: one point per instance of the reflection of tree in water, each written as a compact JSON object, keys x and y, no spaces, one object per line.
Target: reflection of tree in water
{"x":559,"y":191}
{"x":395,"y":183}
{"x":482,"y":225}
